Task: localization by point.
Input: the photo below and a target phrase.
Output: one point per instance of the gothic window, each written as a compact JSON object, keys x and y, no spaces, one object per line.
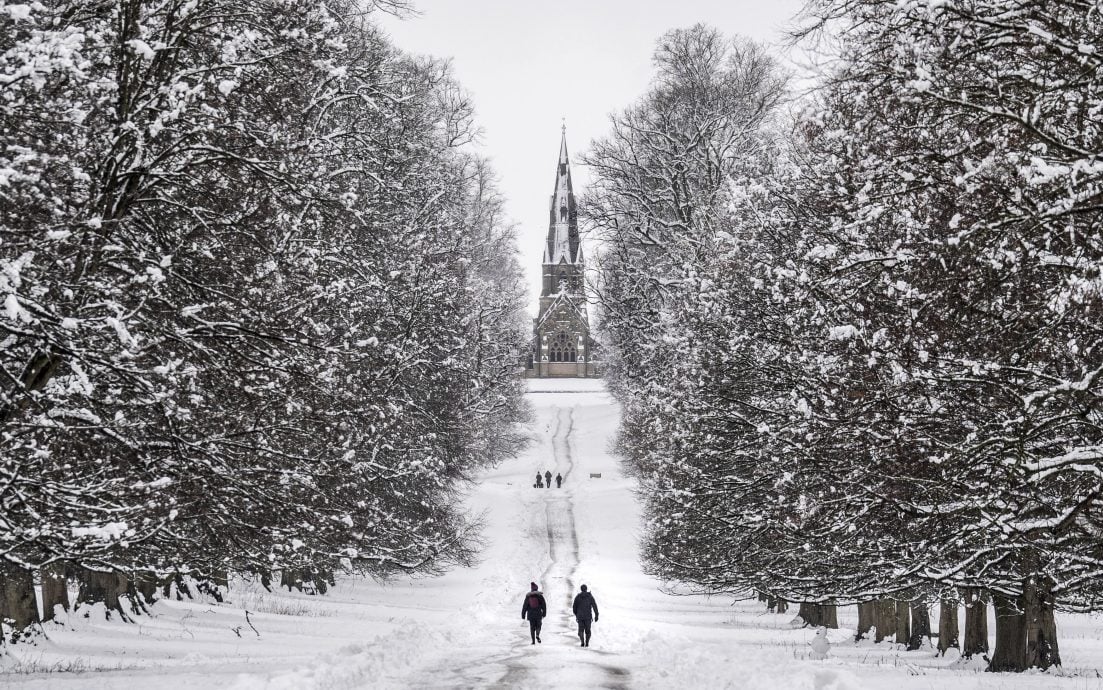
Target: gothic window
{"x":561,"y":348}
{"x":562,"y":214}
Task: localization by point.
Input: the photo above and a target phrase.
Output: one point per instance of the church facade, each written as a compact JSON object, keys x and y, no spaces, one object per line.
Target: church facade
{"x":561,"y":345}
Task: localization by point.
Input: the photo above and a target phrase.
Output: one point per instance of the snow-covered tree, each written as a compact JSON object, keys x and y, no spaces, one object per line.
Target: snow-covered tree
{"x":680,"y":295}
{"x":969,"y":263}
{"x":868,"y":367}
{"x":240,"y":248}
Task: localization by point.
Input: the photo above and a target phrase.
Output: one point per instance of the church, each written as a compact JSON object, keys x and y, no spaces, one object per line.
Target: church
{"x":562,"y":347}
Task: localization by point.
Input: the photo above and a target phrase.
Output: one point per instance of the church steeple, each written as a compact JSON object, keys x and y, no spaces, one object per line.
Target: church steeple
{"x":561,"y":342}
{"x":563,"y":244}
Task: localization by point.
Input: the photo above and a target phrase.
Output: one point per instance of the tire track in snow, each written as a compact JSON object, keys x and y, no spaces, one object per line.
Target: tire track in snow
{"x":558,"y":661}
{"x":525,"y":669}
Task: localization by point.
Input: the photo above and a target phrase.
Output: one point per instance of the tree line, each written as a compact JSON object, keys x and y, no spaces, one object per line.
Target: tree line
{"x":261,"y":309}
{"x":857,"y":336}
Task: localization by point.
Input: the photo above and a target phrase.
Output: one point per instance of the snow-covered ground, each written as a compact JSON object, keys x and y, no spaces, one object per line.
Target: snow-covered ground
{"x":464,"y":629}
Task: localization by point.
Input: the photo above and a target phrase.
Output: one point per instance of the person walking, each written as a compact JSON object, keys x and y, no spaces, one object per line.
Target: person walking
{"x":584,"y":604}
{"x":547,"y":477}
{"x":539,"y":481}
{"x":558,"y":481}
{"x":535,"y":609}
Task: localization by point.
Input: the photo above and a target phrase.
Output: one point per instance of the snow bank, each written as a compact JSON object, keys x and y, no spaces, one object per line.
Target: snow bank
{"x":357,"y":666}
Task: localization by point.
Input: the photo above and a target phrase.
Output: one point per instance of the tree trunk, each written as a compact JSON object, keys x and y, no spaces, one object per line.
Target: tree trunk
{"x":323,"y":580}
{"x":819,"y":615}
{"x":107,"y":588}
{"x":1026,"y":633}
{"x":1041,"y":628}
{"x":20,"y":607}
{"x":782,"y":606}
{"x":807,"y":613}
{"x":3,"y":601}
{"x":884,"y":618}
{"x":867,"y":619}
{"x":291,"y":579}
{"x":55,"y":590}
{"x":134,"y":596}
{"x":947,"y":624}
{"x":921,"y":625}
{"x":1010,"y":652}
{"x":211,"y":588}
{"x":976,"y":624}
{"x":182,"y":588}
{"x":146,"y":585}
{"x":903,"y":627}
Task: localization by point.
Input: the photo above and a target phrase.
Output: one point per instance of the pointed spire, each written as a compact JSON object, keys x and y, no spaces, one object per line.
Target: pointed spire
{"x":563,"y":160}
{"x":563,"y":172}
{"x":563,"y":242}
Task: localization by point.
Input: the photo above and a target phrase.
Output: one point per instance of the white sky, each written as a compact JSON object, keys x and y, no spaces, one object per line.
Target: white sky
{"x":529,"y":65}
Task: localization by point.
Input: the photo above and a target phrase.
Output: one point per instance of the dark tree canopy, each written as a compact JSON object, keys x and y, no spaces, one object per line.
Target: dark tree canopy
{"x":261,"y":304}
{"x":858,"y":349}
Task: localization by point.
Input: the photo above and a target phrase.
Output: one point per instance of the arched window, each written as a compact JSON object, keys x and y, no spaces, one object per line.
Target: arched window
{"x":561,"y":348}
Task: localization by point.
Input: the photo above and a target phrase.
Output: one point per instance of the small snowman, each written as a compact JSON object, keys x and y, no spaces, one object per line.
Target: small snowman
{"x":820,"y":645}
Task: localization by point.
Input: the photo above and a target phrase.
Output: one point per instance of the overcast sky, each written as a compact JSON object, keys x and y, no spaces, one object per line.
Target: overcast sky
{"x":531,"y":65}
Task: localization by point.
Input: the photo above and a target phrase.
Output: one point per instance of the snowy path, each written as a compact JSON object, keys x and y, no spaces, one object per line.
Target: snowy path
{"x":464,"y":629}
{"x":555,"y":526}
{"x":548,"y":541}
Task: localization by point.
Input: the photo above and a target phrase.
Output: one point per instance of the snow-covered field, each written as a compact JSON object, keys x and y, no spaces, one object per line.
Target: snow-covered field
{"x":465,"y":629}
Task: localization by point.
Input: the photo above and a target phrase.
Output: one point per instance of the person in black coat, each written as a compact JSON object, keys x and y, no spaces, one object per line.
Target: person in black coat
{"x":558,"y":481}
{"x":535,"y":609}
{"x":584,"y":604}
{"x":547,"y":478}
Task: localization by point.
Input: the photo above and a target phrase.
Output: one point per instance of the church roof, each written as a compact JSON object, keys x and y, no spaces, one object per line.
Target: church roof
{"x":577,"y":308}
{"x":563,"y":243}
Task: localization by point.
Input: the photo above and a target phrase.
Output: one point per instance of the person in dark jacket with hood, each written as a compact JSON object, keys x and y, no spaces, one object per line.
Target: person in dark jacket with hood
{"x":535,"y":609}
{"x":584,"y":605}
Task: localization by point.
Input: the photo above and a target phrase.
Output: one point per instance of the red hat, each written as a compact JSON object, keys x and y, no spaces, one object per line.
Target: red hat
{"x":534,"y":587}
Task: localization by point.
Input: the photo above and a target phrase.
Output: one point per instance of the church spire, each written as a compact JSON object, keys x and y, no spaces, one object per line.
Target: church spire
{"x":563,"y":219}
{"x":564,"y":161}
{"x":561,"y":344}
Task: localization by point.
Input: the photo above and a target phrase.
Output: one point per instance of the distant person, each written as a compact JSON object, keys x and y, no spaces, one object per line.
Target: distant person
{"x":558,"y":481}
{"x":539,"y":481}
{"x":584,"y":604}
{"x":535,"y":609}
{"x":547,"y":477}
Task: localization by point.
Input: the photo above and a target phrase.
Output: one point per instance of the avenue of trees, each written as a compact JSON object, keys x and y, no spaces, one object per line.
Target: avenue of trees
{"x":859,"y":343}
{"x":260,"y":308}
